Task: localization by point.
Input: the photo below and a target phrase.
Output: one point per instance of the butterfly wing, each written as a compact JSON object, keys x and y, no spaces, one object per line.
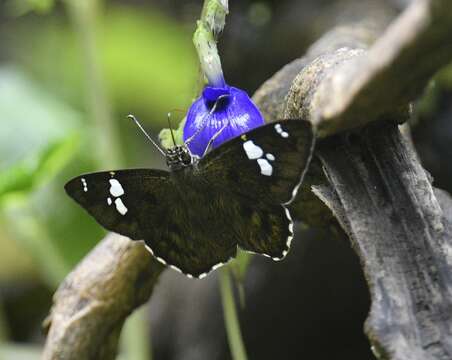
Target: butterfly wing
{"x":263,"y":169}
{"x":266,"y":163}
{"x":265,"y":229}
{"x":115,"y":198}
{"x":150,"y":205}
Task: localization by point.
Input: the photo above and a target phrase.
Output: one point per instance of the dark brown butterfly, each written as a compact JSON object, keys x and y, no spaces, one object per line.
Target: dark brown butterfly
{"x":195,"y":216}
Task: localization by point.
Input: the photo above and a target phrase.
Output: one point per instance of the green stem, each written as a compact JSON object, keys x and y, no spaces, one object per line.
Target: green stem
{"x":230,"y":316}
{"x":211,"y":23}
{"x":84,"y":15}
{"x":136,"y":337}
{"x":4,"y":333}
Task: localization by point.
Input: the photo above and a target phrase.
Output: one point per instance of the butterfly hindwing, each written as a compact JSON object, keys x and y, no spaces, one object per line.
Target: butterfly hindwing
{"x":194,"y":236}
{"x":265,"y":230}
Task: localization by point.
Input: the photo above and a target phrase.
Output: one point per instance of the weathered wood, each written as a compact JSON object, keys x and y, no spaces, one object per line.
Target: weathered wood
{"x":408,"y":270}
{"x":385,"y":202}
{"x":393,"y":72}
{"x":92,"y":303}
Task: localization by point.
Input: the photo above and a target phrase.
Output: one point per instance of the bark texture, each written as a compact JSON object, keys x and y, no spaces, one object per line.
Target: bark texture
{"x":401,"y":229}
{"x":92,"y":303}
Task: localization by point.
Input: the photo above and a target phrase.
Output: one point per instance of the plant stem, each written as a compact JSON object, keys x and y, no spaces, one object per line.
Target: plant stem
{"x":230,"y":316}
{"x":4,"y":334}
{"x":84,"y":15}
{"x":136,"y":338}
{"x":211,"y":23}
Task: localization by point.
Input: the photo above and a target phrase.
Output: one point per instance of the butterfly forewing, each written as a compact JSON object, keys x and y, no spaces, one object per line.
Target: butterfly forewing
{"x":116,"y":198}
{"x":265,"y":164}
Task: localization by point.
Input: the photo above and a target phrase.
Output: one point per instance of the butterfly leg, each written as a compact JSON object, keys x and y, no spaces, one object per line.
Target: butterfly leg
{"x":212,"y":139}
{"x":204,"y":121}
{"x":217,"y":101}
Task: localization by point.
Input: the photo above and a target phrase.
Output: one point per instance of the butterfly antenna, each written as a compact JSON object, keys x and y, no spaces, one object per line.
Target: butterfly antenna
{"x":146,"y":134}
{"x":171,"y":129}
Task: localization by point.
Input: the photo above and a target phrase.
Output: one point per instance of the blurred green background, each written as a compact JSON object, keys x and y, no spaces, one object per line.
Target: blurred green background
{"x":70,"y":72}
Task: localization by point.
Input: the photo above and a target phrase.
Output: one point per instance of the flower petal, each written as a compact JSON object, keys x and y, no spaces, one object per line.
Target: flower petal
{"x":205,"y":120}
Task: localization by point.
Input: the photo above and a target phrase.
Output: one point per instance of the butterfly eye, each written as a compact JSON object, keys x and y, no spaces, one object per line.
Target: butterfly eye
{"x":186,"y":157}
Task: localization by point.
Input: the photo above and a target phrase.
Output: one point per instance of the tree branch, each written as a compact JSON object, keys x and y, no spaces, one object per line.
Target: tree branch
{"x":91,"y":305}
{"x":386,"y":204}
{"x":377,"y":190}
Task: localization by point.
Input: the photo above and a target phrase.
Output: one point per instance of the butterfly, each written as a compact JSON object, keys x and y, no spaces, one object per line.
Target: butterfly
{"x":195,"y":216}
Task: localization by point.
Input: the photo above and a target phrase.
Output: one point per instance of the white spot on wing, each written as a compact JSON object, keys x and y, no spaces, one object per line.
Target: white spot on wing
{"x":217,"y":266}
{"x":120,"y":206}
{"x":270,"y":157}
{"x":290,"y":237}
{"x":190,"y":276}
{"x":266,"y":168}
{"x":84,"y":184}
{"x":300,"y":181}
{"x":116,"y":188}
{"x":149,"y":249}
{"x":280,"y":131}
{"x":252,"y":150}
{"x":109,"y":201}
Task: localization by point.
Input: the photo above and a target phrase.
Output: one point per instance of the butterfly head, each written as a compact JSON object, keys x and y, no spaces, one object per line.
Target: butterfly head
{"x":178,"y":157}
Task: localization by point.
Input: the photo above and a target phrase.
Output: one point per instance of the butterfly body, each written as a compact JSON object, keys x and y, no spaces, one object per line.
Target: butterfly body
{"x":195,"y":216}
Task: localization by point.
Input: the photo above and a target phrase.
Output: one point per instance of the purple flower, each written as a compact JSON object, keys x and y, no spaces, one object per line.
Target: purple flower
{"x":220,"y":113}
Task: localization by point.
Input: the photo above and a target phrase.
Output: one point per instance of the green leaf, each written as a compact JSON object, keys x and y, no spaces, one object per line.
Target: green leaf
{"x":38,"y":168}
{"x":38,"y":135}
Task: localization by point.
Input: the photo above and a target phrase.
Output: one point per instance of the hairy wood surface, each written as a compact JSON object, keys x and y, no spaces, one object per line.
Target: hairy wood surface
{"x":338,"y":85}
